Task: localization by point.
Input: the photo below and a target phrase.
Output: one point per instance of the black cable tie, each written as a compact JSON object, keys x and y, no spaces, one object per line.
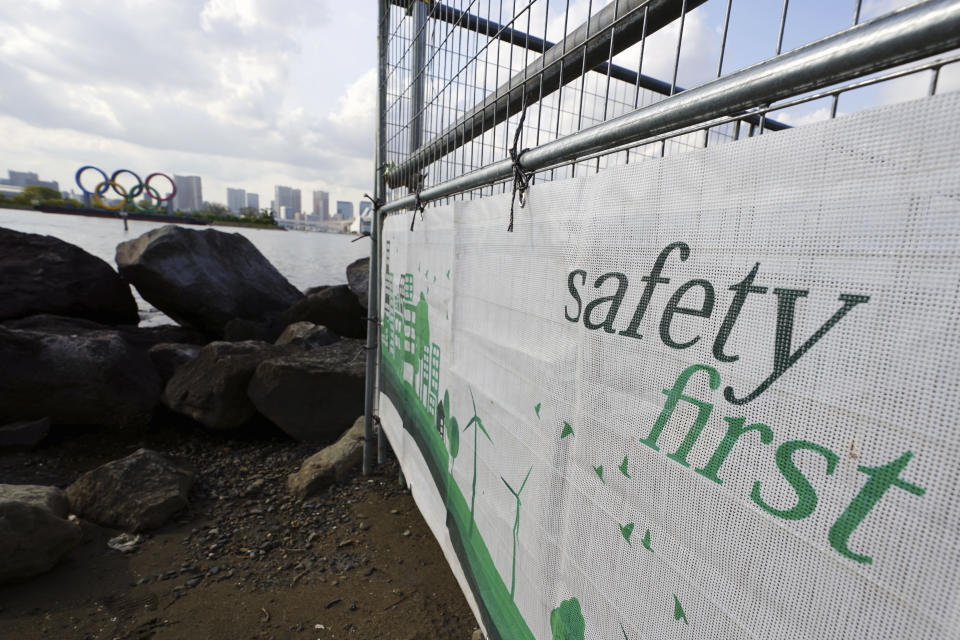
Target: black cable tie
{"x":521,"y":179}
{"x":363,"y":235}
{"x":377,"y":202}
{"x":419,"y":205}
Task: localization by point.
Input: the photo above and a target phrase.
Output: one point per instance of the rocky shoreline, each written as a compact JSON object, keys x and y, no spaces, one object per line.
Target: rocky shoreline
{"x":175,"y":410}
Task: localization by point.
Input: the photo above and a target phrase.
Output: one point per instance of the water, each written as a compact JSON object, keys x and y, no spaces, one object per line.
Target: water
{"x":305,"y":259}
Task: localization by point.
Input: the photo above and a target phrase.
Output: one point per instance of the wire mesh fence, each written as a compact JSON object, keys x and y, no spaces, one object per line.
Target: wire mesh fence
{"x":457,"y":77}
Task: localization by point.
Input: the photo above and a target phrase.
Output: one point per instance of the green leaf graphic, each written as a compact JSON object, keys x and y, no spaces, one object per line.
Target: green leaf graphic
{"x":567,"y":430}
{"x":599,"y":472}
{"x":537,"y":409}
{"x":678,"y":613}
{"x":646,"y":541}
{"x":448,"y":274}
{"x":623,"y":467}
{"x":626,"y":531}
{"x":566,"y":621}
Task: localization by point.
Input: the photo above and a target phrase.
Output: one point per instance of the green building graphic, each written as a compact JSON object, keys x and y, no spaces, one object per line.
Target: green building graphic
{"x":406,"y":338}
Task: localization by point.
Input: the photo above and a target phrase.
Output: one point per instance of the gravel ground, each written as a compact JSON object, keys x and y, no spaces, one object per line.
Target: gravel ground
{"x":245,"y":559}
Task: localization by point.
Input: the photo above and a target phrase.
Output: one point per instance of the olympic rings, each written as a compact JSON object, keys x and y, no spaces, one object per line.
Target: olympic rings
{"x":127,"y":197}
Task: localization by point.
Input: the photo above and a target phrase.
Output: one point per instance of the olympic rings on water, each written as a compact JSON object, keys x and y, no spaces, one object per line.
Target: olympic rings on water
{"x":100,"y":171}
{"x":127,"y":197}
{"x":116,"y":187}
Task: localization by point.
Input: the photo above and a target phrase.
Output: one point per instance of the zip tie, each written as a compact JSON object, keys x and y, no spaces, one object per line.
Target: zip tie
{"x":419,"y":205}
{"x":521,"y":180}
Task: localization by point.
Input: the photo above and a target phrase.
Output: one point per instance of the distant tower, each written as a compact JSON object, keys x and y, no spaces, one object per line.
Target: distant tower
{"x":236,"y":200}
{"x":344,"y":210}
{"x":189,"y":193}
{"x":321,"y":205}
{"x":253,"y":201}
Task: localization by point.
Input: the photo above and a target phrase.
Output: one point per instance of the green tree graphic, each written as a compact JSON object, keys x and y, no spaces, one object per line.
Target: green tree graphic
{"x":478,"y":425}
{"x":449,"y":427}
{"x":516,"y":527}
{"x":566,"y":621}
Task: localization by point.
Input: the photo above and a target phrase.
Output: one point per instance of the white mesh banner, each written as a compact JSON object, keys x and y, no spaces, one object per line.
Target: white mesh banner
{"x":708,"y":396}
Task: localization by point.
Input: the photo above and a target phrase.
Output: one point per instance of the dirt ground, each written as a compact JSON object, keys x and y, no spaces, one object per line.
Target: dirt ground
{"x":245,"y":560}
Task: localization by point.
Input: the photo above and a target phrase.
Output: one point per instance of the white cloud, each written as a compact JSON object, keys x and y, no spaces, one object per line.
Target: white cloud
{"x":209,"y":87}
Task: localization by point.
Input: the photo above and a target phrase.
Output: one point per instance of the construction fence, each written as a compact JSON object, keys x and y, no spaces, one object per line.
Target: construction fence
{"x":664,"y":311}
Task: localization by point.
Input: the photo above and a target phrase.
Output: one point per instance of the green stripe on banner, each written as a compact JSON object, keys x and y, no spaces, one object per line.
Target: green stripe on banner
{"x":501,"y":616}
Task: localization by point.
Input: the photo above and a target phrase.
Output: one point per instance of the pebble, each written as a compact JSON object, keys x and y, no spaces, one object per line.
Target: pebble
{"x":406,"y":533}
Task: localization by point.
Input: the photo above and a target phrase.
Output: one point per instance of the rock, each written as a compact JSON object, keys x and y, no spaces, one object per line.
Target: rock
{"x":135,"y":493}
{"x":26,"y":433}
{"x":167,"y":356}
{"x":332,"y":464}
{"x":358,"y":279}
{"x":93,"y":378}
{"x":312,"y":395}
{"x":313,"y":290}
{"x":205,"y":278}
{"x":142,"y":338}
{"x":335,"y":307}
{"x":52,"y":499}
{"x":34,"y":535}
{"x":212,"y":388}
{"x":240,"y":329}
{"x":307,"y":335}
{"x":42,"y":274}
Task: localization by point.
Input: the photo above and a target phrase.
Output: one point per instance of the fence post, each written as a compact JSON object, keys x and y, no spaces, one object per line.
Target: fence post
{"x":373,"y":292}
{"x":377,"y":227}
{"x":418,"y":74}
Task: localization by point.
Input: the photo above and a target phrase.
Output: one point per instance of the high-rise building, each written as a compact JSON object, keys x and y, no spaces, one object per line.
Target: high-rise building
{"x":236,"y":199}
{"x":365,"y":205}
{"x":27,"y":179}
{"x":321,"y":205}
{"x":344,"y":210}
{"x":253,"y":201}
{"x":287,"y":197}
{"x":189,"y":193}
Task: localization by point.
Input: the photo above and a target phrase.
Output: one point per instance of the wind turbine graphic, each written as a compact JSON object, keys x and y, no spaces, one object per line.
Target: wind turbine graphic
{"x":477,"y":423}
{"x":516,"y":527}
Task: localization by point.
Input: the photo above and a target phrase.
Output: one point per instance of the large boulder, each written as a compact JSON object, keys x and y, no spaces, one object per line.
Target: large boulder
{"x":335,"y":307}
{"x":25,"y":434}
{"x":212,"y":388}
{"x":135,"y":493}
{"x":142,"y":338}
{"x":358,"y":279}
{"x":42,"y":274}
{"x":34,"y":534}
{"x":312,"y":395}
{"x":90,"y":378}
{"x":332,"y":464}
{"x":205,"y":278}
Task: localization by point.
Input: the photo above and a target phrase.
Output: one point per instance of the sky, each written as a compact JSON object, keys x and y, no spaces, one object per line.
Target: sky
{"x":244,"y":93}
{"x":254,"y":93}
